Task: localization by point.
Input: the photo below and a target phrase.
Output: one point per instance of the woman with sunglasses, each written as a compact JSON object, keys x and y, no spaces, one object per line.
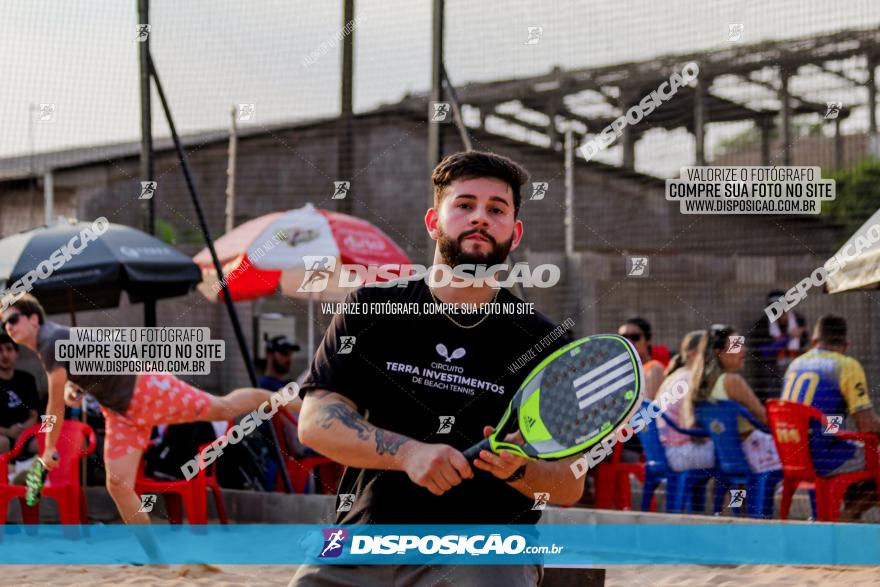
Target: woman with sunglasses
{"x":716,"y":376}
{"x":638,"y":332}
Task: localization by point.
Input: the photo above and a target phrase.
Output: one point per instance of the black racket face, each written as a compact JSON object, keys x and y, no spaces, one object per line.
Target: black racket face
{"x":579,"y":395}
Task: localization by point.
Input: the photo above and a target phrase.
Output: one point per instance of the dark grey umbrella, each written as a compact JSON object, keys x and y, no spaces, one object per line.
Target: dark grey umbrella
{"x":73,"y":275}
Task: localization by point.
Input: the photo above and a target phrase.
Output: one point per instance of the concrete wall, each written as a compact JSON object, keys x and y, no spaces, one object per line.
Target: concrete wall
{"x":703,"y":269}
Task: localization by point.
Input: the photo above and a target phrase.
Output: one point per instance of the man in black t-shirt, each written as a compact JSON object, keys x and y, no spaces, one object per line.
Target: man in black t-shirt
{"x":18,"y":399}
{"x":398,"y":397}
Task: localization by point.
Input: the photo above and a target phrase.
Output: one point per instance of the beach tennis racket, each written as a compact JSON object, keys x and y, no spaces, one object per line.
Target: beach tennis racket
{"x":35,"y":480}
{"x":572,"y":400}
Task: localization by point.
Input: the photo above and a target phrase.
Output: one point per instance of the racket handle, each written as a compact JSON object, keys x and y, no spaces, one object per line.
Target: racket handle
{"x":473,"y":452}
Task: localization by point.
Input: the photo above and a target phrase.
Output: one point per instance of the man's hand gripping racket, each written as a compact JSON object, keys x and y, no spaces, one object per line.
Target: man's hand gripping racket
{"x":572,"y":400}
{"x":36,"y":478}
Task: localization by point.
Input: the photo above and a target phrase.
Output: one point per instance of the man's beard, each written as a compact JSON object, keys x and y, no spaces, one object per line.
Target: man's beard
{"x":452,"y":253}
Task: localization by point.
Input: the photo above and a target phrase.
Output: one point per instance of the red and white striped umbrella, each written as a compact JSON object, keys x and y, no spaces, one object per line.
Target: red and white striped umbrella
{"x":270,"y":253}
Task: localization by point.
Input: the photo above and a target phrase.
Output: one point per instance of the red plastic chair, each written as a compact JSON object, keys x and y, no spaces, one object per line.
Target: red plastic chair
{"x":63,"y":484}
{"x":660,"y":352}
{"x":191,"y":494}
{"x":790,"y":424}
{"x":612,"y":482}
{"x":329,"y":472}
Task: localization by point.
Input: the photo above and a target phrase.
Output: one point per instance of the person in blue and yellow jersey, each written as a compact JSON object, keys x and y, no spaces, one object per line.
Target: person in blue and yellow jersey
{"x":835,"y":384}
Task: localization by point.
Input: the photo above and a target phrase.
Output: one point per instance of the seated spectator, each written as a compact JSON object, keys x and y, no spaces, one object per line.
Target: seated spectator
{"x":682,"y":451}
{"x":279,"y":357}
{"x":777,"y":344}
{"x":716,"y":376}
{"x":18,"y":400}
{"x":638,"y":332}
{"x":835,"y":384}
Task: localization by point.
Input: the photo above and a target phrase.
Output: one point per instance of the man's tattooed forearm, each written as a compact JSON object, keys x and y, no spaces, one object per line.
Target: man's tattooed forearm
{"x":388,"y":442}
{"x":339,"y":412}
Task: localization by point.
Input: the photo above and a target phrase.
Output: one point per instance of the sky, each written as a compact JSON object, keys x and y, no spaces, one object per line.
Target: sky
{"x":82,"y":55}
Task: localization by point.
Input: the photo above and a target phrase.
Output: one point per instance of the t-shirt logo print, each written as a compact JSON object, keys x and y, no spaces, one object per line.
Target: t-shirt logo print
{"x":14,"y":400}
{"x":456,"y":354}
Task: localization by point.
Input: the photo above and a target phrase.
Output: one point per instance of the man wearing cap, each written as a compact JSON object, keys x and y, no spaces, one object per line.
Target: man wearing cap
{"x":279,"y":351}
{"x":278,"y":360}
{"x":18,"y":398}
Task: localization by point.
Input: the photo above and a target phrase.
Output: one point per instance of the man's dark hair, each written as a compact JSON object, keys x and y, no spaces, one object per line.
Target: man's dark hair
{"x":477,"y":164}
{"x":6,"y":339}
{"x":643,"y":325}
{"x":775,"y":295}
{"x":28,"y":305}
{"x":831,"y":330}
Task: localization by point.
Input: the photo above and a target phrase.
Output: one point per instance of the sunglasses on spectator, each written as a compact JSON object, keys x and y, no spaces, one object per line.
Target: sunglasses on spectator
{"x":11,"y":320}
{"x":633,"y":336}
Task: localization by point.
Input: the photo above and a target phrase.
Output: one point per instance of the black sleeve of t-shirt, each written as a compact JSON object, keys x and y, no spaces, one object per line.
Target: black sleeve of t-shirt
{"x":27,"y":385}
{"x":334,"y":371}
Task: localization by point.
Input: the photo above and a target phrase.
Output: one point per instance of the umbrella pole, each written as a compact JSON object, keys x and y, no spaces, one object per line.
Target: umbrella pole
{"x":82,"y":410}
{"x":209,"y":241}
